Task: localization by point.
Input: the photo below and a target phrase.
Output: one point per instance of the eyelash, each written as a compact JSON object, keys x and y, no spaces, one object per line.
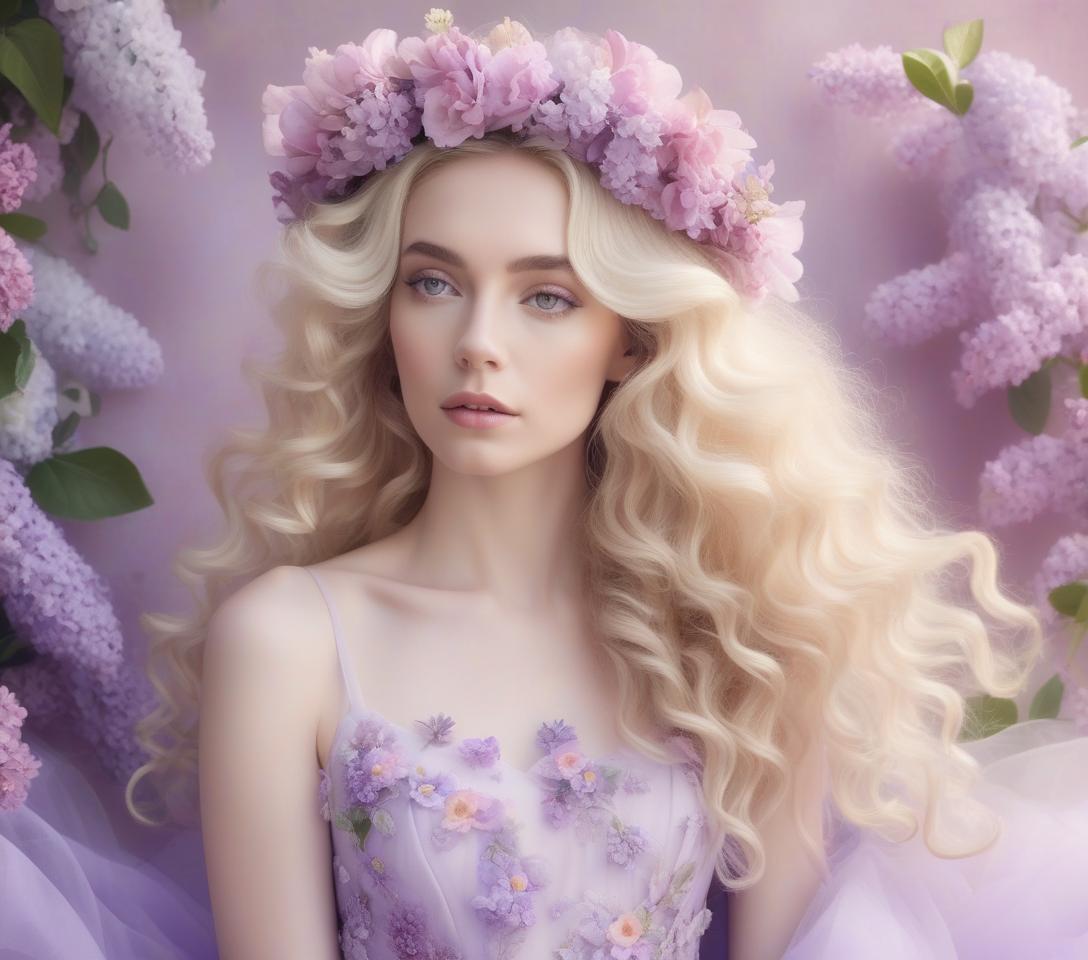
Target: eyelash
{"x":419,"y":278}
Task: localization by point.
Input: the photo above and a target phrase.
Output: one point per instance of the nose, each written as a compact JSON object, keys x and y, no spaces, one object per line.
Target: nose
{"x":478,"y":345}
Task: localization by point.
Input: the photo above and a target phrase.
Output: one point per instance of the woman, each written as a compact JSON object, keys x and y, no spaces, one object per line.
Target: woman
{"x":523,"y":683}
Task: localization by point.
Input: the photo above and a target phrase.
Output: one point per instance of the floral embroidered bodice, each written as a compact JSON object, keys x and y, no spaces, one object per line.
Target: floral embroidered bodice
{"x":443,"y":850}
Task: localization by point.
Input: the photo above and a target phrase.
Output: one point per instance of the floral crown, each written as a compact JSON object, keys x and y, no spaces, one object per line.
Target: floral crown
{"x":609,"y":103}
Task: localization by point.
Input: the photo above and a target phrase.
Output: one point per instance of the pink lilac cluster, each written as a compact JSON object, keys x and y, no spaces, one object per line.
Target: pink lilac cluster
{"x":1013,"y":279}
{"x":132,"y":71}
{"x":18,"y":170}
{"x":479,"y":752}
{"x":44,"y":143}
{"x":609,"y":102}
{"x":18,"y":766}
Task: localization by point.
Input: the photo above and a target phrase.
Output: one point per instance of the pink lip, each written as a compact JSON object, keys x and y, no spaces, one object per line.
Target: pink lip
{"x":464,"y":417}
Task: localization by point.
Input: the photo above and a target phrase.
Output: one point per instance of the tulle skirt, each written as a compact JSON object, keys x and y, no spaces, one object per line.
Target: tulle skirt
{"x":1025,"y":898}
{"x":71,"y":889}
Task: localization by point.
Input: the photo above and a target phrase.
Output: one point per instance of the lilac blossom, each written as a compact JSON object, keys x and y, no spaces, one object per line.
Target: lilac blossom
{"x":130,"y":67}
{"x":52,"y":596}
{"x":16,"y":281}
{"x":45,"y":144}
{"x":82,"y":333}
{"x":869,"y":83}
{"x":18,"y":766}
{"x":18,"y":170}
{"x":410,"y":937}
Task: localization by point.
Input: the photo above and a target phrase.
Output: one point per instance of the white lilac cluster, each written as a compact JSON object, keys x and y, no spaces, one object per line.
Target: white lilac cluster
{"x":131,"y":71}
{"x":82,"y":333}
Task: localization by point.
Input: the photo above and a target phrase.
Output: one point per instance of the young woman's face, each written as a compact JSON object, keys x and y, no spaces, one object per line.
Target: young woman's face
{"x":466,"y":315}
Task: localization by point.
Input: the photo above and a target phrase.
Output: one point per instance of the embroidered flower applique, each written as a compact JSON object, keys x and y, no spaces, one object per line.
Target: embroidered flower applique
{"x":654,"y":929}
{"x":581,"y":791}
{"x":357,"y":926}
{"x":376,"y":771}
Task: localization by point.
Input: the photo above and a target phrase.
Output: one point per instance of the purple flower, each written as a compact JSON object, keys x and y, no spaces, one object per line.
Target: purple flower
{"x":624,"y":843}
{"x":411,"y":939}
{"x":370,"y":772}
{"x":550,"y":735}
{"x":430,"y":791}
{"x":438,"y":727}
{"x":510,"y":883}
{"x":479,"y":752}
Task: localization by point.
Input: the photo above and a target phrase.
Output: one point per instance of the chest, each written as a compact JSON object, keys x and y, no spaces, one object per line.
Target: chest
{"x":493,"y":674}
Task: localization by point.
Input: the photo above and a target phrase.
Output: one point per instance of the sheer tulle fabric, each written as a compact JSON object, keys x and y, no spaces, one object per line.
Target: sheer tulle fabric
{"x":1026,"y":897}
{"x":72,"y":888}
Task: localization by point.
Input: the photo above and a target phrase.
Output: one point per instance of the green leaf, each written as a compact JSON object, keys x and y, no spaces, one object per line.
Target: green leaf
{"x":355,"y":821}
{"x":987,"y":715}
{"x":933,"y":74}
{"x":1029,"y":401}
{"x":63,"y":430}
{"x":8,"y":9}
{"x":1047,"y":702}
{"x":88,"y":484}
{"x":1067,"y":598}
{"x":96,"y":403}
{"x":17,"y":358}
{"x":89,"y":243}
{"x":112,"y":205}
{"x":963,"y":41}
{"x":1076,"y":143}
{"x":964,"y":96}
{"x":23,"y":225}
{"x":31,"y":58}
{"x":84,"y":145}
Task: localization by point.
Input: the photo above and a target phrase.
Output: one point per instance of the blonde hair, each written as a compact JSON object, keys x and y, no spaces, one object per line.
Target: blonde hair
{"x":769,"y":573}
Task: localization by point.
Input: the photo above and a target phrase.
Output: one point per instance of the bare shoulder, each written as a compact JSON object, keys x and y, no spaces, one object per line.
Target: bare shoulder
{"x":265,"y":632}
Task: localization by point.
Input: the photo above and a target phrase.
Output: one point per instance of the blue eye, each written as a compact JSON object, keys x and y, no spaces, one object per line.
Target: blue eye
{"x":416,"y":284}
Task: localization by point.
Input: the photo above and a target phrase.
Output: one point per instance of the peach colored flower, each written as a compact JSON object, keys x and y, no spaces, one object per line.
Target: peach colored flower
{"x":625,"y":930}
{"x":466,"y":809}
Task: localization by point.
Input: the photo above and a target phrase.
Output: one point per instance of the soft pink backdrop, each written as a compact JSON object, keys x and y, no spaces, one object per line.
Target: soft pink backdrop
{"x":185,"y":268}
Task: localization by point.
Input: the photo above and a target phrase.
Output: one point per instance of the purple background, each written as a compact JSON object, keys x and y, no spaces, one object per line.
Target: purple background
{"x":185,"y":268}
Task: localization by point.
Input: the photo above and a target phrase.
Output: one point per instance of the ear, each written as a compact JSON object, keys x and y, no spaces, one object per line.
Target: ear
{"x":625,"y":358}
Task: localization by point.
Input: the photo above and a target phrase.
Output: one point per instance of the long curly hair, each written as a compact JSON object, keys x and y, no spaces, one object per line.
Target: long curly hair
{"x":769,"y":574}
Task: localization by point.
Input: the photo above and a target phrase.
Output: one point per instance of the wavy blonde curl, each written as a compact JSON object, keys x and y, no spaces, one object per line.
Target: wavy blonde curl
{"x":770,"y":574}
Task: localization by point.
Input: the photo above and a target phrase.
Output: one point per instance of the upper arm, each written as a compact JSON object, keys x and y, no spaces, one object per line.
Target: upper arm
{"x":764,"y":918}
{"x":267,"y":849}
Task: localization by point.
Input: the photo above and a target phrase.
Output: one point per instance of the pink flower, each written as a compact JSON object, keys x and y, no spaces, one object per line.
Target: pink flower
{"x":449,"y":70}
{"x":625,"y":930}
{"x":515,"y":80}
{"x":16,"y":281}
{"x":468,"y":809}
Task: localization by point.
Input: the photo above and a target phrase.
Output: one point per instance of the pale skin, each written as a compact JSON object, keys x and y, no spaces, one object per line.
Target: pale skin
{"x":457,"y":592}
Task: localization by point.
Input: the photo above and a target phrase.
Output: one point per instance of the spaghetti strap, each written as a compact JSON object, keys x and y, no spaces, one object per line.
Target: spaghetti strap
{"x":351,"y":682}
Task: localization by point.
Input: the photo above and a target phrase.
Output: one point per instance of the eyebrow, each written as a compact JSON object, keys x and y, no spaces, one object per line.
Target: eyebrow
{"x":540,"y":261}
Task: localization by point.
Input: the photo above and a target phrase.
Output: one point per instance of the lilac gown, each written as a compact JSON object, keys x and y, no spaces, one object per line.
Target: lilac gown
{"x":442,"y":849}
